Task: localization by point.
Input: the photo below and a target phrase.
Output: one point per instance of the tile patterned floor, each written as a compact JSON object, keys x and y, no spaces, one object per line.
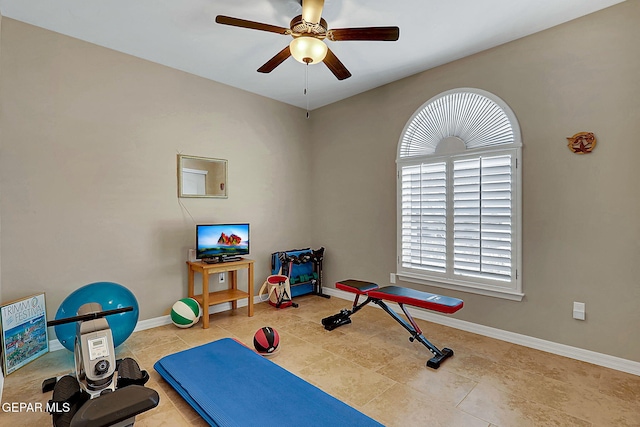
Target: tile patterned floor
{"x":371,"y":365}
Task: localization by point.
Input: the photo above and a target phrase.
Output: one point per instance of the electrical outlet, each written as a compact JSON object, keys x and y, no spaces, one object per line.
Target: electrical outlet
{"x":222,"y":277}
{"x":579,"y":310}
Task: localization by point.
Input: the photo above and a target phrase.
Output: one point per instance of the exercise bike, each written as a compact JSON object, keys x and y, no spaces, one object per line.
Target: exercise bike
{"x":102,"y":391}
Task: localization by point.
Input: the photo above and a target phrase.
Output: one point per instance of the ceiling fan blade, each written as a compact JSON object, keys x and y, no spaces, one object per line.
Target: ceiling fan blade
{"x":312,"y":10}
{"x":237,"y":22}
{"x":337,"y":68}
{"x":365,"y":33}
{"x":271,"y":64}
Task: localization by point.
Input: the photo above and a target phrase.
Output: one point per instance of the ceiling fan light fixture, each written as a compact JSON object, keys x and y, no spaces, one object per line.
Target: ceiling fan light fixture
{"x":308,"y":50}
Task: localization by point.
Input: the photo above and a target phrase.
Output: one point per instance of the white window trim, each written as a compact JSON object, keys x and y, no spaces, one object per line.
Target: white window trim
{"x":472,"y":288}
{"x":514,"y":290}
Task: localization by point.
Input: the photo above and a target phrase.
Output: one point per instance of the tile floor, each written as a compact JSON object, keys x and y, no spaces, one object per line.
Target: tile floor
{"x":371,"y":365}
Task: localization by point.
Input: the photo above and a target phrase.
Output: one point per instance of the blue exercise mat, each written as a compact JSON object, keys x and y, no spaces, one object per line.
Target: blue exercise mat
{"x":230,"y":385}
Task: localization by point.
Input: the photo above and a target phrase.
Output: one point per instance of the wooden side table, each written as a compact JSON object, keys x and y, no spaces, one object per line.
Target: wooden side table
{"x":232,"y":294}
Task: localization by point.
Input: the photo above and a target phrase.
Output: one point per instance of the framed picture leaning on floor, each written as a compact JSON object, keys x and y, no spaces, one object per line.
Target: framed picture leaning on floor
{"x":24,"y":331}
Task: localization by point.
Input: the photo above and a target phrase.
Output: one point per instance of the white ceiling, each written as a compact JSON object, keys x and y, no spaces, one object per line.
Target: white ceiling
{"x":182,"y":34}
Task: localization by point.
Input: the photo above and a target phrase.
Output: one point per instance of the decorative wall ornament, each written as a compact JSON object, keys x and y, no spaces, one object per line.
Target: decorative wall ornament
{"x":582,"y":142}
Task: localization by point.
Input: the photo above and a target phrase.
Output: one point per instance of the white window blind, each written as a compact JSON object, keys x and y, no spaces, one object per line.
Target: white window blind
{"x":482,"y":198}
{"x":424,"y":217}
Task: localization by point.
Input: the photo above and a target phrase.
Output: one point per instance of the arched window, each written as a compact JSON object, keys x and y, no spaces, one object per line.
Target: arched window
{"x":459,"y":167}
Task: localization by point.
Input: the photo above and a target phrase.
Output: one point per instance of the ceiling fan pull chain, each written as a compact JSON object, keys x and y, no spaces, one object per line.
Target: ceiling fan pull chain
{"x":306,"y":86}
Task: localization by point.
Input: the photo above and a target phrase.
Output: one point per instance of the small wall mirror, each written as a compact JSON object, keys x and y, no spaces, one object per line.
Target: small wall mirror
{"x":202,"y":177}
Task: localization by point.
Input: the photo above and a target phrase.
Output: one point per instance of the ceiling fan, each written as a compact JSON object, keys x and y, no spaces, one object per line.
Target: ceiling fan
{"x":309,"y":31}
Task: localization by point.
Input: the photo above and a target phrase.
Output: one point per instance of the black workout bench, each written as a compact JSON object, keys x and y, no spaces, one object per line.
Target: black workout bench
{"x":401,"y":296}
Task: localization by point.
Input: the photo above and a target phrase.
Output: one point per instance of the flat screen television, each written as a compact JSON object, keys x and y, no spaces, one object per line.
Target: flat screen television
{"x":221,"y":242}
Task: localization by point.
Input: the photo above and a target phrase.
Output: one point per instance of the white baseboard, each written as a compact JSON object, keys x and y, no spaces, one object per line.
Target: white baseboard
{"x":589,"y":356}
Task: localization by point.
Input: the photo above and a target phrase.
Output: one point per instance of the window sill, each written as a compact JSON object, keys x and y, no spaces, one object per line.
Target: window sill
{"x":491,"y":292}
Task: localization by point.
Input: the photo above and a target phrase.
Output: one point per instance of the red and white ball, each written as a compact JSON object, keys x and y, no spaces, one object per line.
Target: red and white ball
{"x":266,"y":340}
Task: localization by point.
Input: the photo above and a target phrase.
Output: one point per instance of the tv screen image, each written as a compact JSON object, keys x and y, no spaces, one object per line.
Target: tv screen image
{"x":222,"y":240}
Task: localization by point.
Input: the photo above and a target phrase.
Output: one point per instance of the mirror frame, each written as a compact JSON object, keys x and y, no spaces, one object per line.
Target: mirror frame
{"x":215,"y":163}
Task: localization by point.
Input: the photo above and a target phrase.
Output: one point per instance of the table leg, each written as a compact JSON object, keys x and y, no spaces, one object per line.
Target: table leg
{"x":205,"y":299}
{"x":233,"y":280}
{"x":250,"y":290}
{"x":190,"y":290}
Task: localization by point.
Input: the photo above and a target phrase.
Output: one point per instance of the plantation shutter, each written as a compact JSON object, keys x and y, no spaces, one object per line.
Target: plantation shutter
{"x":482,"y":212}
{"x":459,"y":221}
{"x":424,"y":217}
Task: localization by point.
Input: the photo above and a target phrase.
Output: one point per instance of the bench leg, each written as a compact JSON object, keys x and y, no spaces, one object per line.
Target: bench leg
{"x":416,"y":334}
{"x":344,"y":317}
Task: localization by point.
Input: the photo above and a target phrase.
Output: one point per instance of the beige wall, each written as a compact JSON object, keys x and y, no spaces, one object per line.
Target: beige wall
{"x":1,"y":181}
{"x":581,"y":214}
{"x":88,"y":169}
{"x":89,"y":184}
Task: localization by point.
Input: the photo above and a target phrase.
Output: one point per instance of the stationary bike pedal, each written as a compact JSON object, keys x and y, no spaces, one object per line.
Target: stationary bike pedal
{"x":49,"y":384}
{"x":66,"y":389}
{"x":129,"y":372}
{"x":66,"y":400}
